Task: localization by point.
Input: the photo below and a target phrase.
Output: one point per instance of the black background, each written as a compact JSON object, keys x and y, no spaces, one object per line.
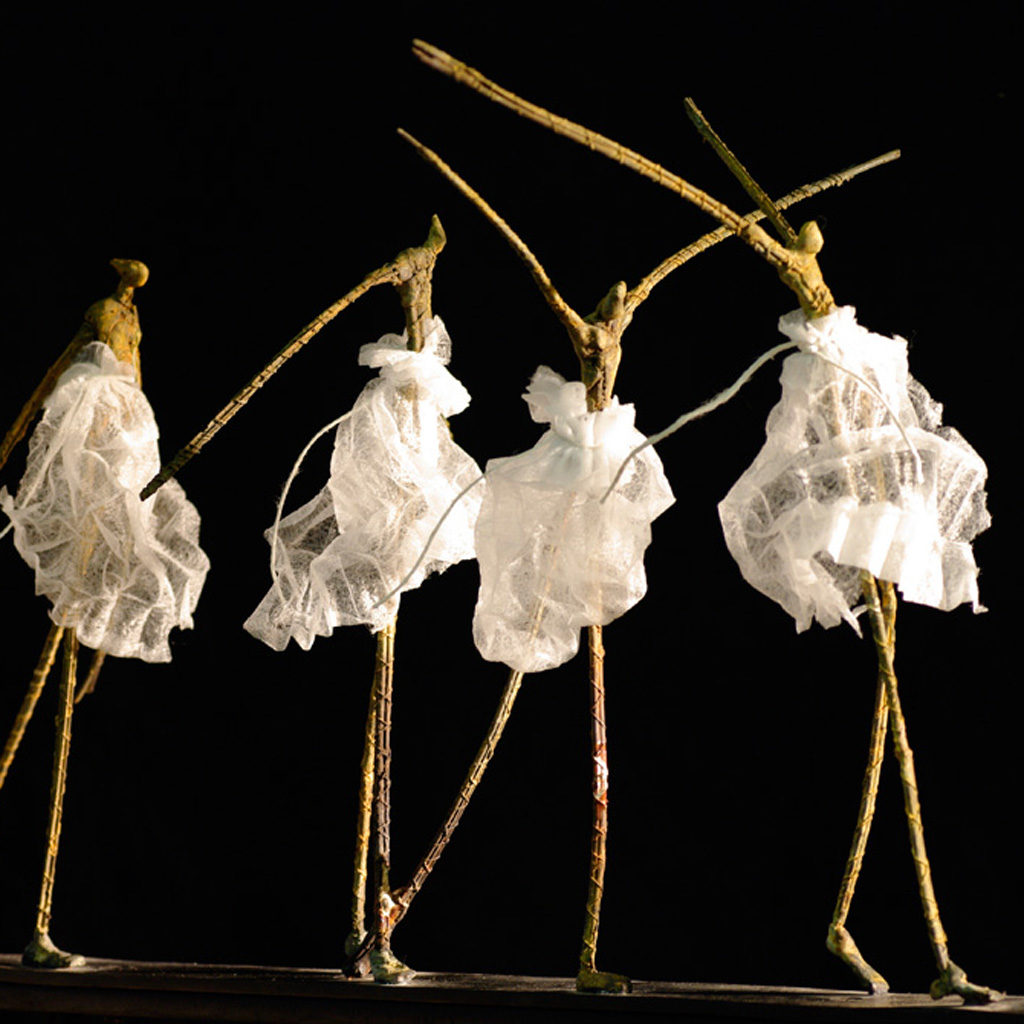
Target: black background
{"x":251,"y":160}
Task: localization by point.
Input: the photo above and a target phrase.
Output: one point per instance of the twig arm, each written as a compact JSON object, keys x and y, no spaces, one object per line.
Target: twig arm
{"x":662,"y":270}
{"x":797,"y":266}
{"x":28,"y":411}
{"x":758,"y":194}
{"x":445,"y":63}
{"x":113,"y":320}
{"x":559,"y":306}
{"x":410,"y":272}
{"x":379,"y":276}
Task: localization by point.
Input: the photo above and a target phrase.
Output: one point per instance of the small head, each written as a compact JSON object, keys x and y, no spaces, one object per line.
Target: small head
{"x":134,"y":273}
{"x":810,"y":239}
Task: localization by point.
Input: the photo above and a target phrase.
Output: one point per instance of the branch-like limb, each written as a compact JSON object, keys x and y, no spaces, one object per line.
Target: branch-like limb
{"x":409,"y":272}
{"x":839,"y":941}
{"x":643,"y":289}
{"x":185,"y":455}
{"x":20,"y":426}
{"x":31,"y":698}
{"x":589,"y":978}
{"x":441,"y":61}
{"x":565,"y":313}
{"x":880,"y":599}
{"x":407,"y":893}
{"x":745,"y":178}
{"x":92,"y":676}
{"x":113,"y":320}
{"x":41,"y":952}
{"x":383,"y":963}
{"x":796,"y":266}
{"x":364,"y":819}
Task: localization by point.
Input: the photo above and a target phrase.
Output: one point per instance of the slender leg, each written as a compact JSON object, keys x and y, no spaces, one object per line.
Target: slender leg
{"x":952,"y":979}
{"x":386,"y":967}
{"x":468,"y":788}
{"x":28,"y":705}
{"x":356,"y":963}
{"x":41,"y":952}
{"x":401,"y":897}
{"x":839,"y":940}
{"x":404,"y":895}
{"x":92,"y":676}
{"x":590,"y":979}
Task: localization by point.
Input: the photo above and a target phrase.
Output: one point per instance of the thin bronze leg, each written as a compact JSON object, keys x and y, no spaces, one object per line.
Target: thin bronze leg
{"x":476,"y":771}
{"x":41,"y":952}
{"x":386,"y":967}
{"x":357,"y":936}
{"x":404,"y":895}
{"x":401,"y":898}
{"x":590,"y":979}
{"x":28,"y":705}
{"x":952,"y":979}
{"x":92,"y":676}
{"x":839,"y":940}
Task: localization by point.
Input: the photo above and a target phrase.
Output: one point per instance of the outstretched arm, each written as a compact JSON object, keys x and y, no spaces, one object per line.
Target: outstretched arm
{"x":662,"y":270}
{"x":28,"y":411}
{"x":797,"y":266}
{"x":409,"y":272}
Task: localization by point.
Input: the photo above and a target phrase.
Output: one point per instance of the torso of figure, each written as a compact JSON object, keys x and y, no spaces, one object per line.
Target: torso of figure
{"x":115,"y":322}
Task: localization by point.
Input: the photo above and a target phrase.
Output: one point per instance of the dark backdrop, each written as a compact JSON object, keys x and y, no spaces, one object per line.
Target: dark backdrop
{"x":251,"y":161}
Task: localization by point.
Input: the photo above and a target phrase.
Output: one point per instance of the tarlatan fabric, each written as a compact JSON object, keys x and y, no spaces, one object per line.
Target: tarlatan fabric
{"x":836,"y":489}
{"x":394,"y":471}
{"x":122,"y":572}
{"x":554,"y":558}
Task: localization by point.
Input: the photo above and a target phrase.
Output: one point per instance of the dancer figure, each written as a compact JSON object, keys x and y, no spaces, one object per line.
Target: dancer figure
{"x":120,"y":573}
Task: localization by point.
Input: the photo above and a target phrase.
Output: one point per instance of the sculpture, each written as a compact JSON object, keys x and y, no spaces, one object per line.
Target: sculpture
{"x":120,"y":573}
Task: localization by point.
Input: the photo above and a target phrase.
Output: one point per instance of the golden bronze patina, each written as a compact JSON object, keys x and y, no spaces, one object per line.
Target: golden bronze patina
{"x":114,"y":321}
{"x":795,"y":260}
{"x":597,"y":341}
{"x":410,"y":272}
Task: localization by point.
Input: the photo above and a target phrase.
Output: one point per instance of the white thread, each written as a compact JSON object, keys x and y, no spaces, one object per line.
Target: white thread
{"x":430,"y":540}
{"x":810,"y":511}
{"x":284,"y":494}
{"x":720,"y":399}
{"x":730,"y":392}
{"x":918,"y":471}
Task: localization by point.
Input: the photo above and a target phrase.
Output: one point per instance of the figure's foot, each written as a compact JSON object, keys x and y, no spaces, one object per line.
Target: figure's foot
{"x":353,"y":942}
{"x":841,"y":943}
{"x":953,"y":982}
{"x":388,"y":969}
{"x":357,"y":957}
{"x":41,"y":952}
{"x":602,"y":981}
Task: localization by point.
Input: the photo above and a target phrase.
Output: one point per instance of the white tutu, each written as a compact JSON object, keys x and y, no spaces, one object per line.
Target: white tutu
{"x":394,"y":472}
{"x":123,"y":573}
{"x":553,"y":558}
{"x":836,"y":487}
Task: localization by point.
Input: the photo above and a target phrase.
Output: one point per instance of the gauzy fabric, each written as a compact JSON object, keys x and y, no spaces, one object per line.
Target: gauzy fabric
{"x":836,"y":489}
{"x":394,"y":471}
{"x":121,"y":572}
{"x":554,"y":558}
